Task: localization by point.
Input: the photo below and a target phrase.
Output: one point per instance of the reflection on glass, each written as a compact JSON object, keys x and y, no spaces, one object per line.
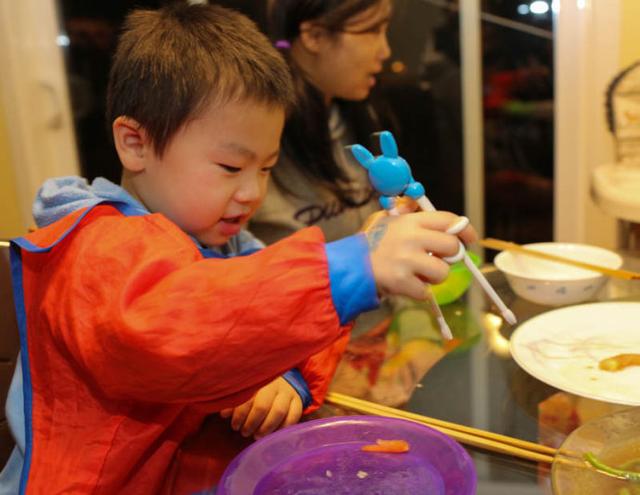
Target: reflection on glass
{"x":419,"y":93}
{"x":88,"y":34}
{"x":498,"y":344}
{"x":517,"y":56}
{"x":423,"y":90}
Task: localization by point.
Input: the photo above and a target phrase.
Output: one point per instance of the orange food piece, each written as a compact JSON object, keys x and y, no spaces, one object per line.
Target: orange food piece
{"x":619,"y":362}
{"x":388,"y":446}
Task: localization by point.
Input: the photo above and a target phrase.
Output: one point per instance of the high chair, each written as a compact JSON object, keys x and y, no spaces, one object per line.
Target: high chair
{"x":9,"y":347}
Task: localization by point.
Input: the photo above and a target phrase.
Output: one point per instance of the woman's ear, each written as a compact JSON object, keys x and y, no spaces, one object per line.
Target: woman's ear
{"x":132,"y":143}
{"x":311,"y":36}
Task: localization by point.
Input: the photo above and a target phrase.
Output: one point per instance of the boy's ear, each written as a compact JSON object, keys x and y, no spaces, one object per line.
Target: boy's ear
{"x":132,"y":143}
{"x":311,"y":36}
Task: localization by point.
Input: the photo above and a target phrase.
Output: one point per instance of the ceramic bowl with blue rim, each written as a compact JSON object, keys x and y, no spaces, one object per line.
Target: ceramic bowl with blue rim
{"x":551,"y":283}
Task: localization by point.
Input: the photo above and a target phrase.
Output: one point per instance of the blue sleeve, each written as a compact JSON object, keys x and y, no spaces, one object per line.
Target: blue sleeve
{"x":352,"y":284}
{"x":295,"y":379}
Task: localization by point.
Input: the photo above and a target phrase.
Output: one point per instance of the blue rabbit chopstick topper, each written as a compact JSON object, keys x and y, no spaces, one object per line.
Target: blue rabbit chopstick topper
{"x":390,"y":175}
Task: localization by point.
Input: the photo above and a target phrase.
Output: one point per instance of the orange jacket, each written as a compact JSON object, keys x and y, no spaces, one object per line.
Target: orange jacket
{"x":131,"y":340}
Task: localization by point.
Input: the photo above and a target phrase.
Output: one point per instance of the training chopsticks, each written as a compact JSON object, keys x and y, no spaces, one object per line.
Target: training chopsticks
{"x":464,"y":434}
{"x":512,"y":246}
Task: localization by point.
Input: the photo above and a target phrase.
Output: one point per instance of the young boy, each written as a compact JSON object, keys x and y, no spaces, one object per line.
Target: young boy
{"x":144,"y":309}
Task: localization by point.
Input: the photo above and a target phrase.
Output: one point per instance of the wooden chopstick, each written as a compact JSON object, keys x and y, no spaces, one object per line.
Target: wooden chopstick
{"x":470,"y":436}
{"x":511,"y":246}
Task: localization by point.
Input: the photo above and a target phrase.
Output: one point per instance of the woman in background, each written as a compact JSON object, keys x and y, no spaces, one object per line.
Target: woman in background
{"x":335,"y":49}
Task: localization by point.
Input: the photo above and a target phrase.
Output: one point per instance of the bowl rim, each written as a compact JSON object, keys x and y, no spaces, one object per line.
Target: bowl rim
{"x":465,"y":461}
{"x":588,"y":275}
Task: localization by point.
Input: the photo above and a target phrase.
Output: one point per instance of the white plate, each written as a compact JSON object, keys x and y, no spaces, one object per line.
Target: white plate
{"x":563,"y":348}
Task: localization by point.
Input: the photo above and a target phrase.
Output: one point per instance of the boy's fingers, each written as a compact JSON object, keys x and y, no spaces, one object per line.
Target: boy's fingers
{"x":443,"y":221}
{"x":410,"y":286}
{"x":439,"y":243}
{"x":277,"y":414}
{"x":293,"y":416}
{"x":436,"y":220}
{"x":295,"y":413}
{"x":240,"y":415}
{"x":464,"y":230}
{"x":257,"y":414}
{"x":430,"y":269}
{"x":468,"y":235}
{"x":225,"y":413}
{"x":458,"y":226}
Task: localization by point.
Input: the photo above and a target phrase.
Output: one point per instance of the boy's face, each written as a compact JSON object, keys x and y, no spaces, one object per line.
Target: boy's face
{"x":213,"y":174}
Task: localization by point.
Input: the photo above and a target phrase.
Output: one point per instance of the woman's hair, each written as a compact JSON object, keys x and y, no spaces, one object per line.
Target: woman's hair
{"x":285,"y":16}
{"x":306,"y":139}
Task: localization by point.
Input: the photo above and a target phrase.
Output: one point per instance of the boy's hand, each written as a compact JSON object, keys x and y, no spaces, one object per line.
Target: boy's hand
{"x":401,"y":246}
{"x":274,"y":406}
{"x":404,"y":204}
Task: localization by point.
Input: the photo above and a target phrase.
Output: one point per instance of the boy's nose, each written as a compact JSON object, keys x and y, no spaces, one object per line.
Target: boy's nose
{"x":248,"y":191}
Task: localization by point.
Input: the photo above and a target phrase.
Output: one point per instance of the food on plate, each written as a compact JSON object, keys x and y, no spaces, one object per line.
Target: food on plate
{"x":619,"y":362}
{"x":388,"y":446}
{"x":633,"y":476}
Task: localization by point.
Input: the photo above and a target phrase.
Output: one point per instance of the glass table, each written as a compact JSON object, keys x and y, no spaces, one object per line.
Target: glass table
{"x":402,"y":362}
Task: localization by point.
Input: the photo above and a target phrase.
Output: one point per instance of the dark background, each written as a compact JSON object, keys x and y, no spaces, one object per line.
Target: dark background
{"x":419,"y":90}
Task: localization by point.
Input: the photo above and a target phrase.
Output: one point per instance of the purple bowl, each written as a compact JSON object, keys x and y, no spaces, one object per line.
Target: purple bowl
{"x":324,"y":457}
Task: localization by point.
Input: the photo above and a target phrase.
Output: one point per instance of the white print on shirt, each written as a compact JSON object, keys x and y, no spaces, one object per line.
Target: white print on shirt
{"x":312,"y":214}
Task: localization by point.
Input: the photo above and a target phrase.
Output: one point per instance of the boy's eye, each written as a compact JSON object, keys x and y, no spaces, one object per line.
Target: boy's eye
{"x":267,"y":170}
{"x":229,"y":168}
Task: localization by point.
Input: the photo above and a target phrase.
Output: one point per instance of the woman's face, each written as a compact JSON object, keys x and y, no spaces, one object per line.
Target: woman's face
{"x":346,"y":63}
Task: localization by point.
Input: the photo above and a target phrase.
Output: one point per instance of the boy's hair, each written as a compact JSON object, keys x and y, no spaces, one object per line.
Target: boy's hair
{"x":172,"y":63}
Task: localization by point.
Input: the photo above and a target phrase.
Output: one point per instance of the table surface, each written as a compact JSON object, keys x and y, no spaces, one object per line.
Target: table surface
{"x":474,"y":381}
